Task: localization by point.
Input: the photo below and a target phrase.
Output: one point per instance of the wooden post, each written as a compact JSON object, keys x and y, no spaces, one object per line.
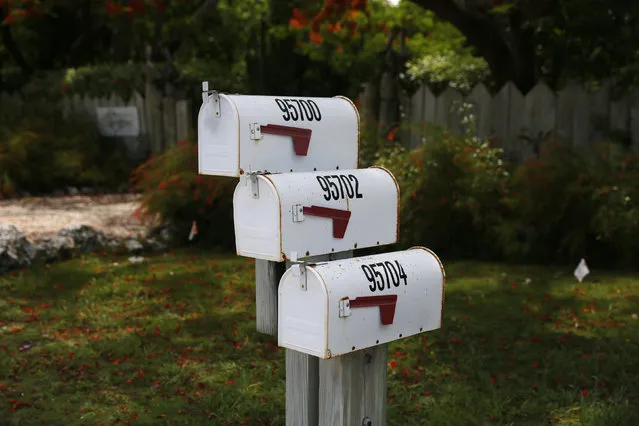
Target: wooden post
{"x":302,"y":374}
{"x":267,"y":278}
{"x":353,"y":388}
{"x":302,"y":389}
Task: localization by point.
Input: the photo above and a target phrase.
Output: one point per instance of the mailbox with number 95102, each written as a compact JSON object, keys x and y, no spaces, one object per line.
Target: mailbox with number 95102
{"x":239,"y":134}
{"x":332,"y":308}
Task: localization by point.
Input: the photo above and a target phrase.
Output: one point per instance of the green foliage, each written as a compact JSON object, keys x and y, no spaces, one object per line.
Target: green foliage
{"x":459,"y":197}
{"x":100,"y":81}
{"x":173,"y":190}
{"x":450,"y":192}
{"x":447,"y":68}
{"x":440,"y":54}
{"x":573,"y":202}
{"x":45,"y":150}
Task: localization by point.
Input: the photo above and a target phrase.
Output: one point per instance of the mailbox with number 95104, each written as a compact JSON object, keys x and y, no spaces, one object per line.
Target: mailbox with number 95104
{"x":333,"y":308}
{"x":239,"y":134}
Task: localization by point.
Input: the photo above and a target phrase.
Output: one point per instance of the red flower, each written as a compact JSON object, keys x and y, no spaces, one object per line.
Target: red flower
{"x":585,"y":392}
{"x":315,"y":37}
{"x":298,"y":20}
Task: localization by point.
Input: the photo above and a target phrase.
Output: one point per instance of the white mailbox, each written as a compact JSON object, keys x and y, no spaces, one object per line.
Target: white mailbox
{"x":333,"y":308}
{"x":240,"y":134}
{"x":314,"y":213}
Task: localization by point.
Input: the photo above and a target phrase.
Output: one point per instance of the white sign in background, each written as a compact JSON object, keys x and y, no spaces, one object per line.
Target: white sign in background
{"x":118,"y":121}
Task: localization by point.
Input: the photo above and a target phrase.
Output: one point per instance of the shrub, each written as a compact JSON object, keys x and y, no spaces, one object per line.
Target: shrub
{"x":173,"y":190}
{"x":451,"y":187}
{"x":44,"y":151}
{"x":570,"y":203}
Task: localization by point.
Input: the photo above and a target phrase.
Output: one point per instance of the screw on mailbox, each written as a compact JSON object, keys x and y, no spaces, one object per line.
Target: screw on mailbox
{"x":367,"y":421}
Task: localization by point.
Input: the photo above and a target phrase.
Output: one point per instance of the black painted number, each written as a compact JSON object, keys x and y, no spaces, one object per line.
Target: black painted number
{"x":339,"y":187}
{"x":299,"y":109}
{"x":392,"y":273}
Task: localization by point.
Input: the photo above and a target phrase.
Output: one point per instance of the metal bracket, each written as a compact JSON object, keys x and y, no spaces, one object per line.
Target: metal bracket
{"x":299,"y":270}
{"x":255,"y":131}
{"x":367,"y":421}
{"x":298,"y":213}
{"x":344,"y":308}
{"x":211,"y":96}
{"x":255,"y":189}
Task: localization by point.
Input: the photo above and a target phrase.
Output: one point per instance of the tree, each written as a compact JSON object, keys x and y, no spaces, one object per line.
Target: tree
{"x":187,"y":40}
{"x":526,"y":40}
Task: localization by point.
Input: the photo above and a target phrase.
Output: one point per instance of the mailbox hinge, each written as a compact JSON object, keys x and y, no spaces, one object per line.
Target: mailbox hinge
{"x":255,"y":131}
{"x":251,"y":179}
{"x":299,"y":270}
{"x":211,"y":96}
{"x":298,"y":213}
{"x":344,"y":308}
{"x":255,"y":188}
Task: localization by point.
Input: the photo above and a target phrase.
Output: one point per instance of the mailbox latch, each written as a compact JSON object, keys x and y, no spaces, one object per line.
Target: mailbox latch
{"x":344,"y":308}
{"x":255,"y":131}
{"x":298,"y":213}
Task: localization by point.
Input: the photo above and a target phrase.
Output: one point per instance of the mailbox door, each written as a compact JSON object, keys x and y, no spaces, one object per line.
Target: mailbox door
{"x":330,"y":212}
{"x":302,"y":314}
{"x":218,"y":138}
{"x":404,"y":289}
{"x":257,"y":220}
{"x":277,"y":134}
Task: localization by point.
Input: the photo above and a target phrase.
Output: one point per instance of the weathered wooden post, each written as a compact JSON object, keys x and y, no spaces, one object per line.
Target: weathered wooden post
{"x":303,"y":205}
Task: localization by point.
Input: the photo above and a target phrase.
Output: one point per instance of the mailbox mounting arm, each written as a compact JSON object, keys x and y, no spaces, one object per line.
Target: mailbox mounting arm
{"x":299,"y":269}
{"x":301,"y":137}
{"x":214,"y":96}
{"x":386,"y":305}
{"x":340,"y":218}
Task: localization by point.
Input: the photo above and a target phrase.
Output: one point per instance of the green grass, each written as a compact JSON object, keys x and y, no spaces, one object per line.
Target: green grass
{"x":173,"y":341}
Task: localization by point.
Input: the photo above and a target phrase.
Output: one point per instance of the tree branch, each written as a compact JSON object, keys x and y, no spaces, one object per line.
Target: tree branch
{"x":168,"y":49}
{"x":11,"y":45}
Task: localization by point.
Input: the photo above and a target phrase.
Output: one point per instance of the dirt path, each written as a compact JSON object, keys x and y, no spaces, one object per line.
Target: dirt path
{"x":111,"y":214}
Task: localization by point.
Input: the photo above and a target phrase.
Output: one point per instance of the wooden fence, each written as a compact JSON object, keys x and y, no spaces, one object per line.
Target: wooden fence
{"x":572,"y":114}
{"x":161,"y":120}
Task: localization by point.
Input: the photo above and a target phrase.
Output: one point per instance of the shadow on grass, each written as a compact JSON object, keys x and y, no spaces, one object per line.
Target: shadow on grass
{"x":522,"y":353}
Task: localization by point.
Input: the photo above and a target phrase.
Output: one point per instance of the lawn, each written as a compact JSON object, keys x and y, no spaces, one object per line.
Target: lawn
{"x":98,"y":340}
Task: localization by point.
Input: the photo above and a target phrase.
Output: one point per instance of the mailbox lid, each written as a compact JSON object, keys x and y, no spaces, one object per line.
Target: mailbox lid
{"x":369,"y":197}
{"x":302,"y":313}
{"x":257,"y":219}
{"x":417,"y":299}
{"x":218,"y":137}
{"x":253,"y":134}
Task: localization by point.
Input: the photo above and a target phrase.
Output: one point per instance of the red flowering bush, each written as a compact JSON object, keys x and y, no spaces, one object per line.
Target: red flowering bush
{"x":450,"y":191}
{"x":173,"y":190}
